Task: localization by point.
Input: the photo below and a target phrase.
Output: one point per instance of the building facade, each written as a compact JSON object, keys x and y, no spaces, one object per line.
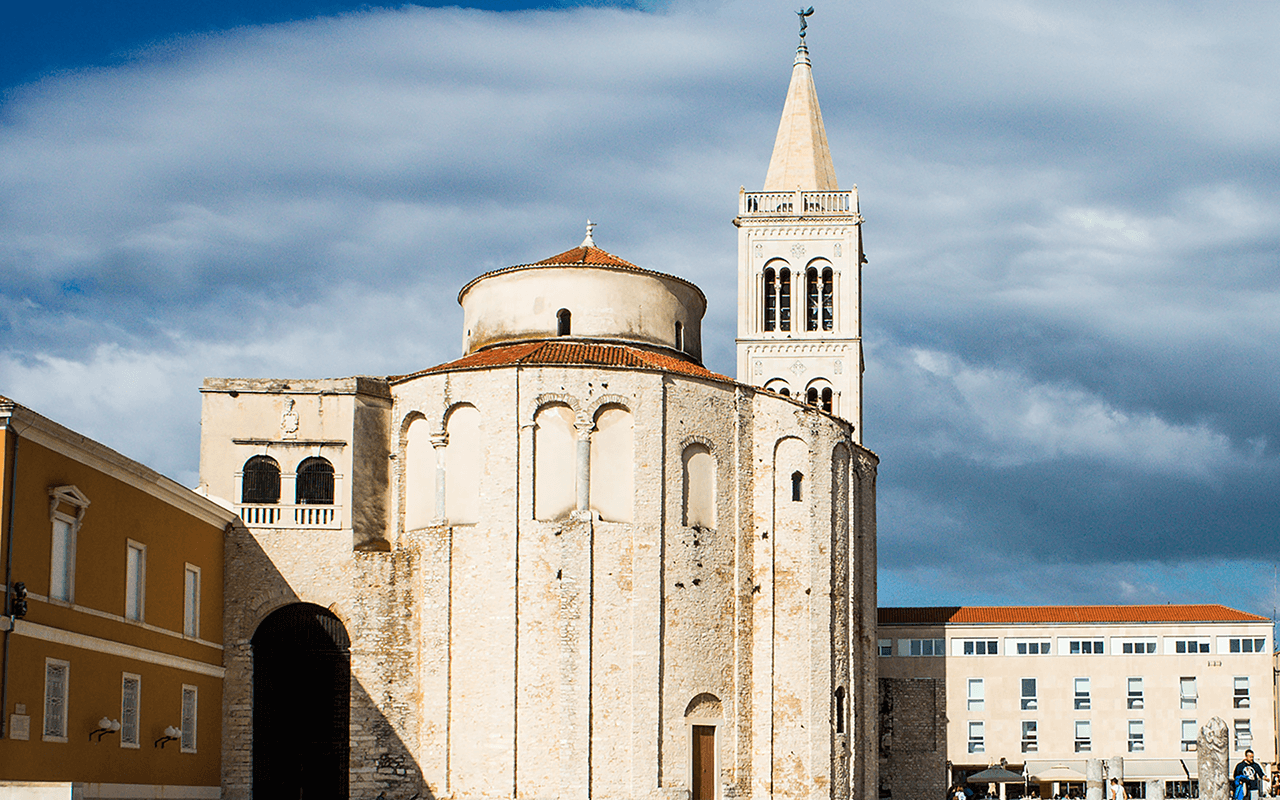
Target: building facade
{"x":1038,"y":687}
{"x":112,"y":636}
{"x":800,"y":267}
{"x":572,"y":563}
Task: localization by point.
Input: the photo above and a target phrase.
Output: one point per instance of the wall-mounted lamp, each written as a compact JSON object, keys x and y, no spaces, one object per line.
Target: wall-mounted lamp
{"x":171,"y":734}
{"x":105,"y":725}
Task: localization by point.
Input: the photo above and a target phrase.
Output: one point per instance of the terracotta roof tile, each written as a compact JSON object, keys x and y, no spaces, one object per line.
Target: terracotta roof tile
{"x":570,"y":353}
{"x":1012,"y":615}
{"x":588,"y":255}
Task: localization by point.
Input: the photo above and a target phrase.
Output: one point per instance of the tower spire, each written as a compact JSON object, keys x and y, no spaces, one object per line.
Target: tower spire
{"x":801,"y":158}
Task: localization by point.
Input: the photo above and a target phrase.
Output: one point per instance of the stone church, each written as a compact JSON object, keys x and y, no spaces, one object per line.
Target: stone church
{"x":573,"y":562}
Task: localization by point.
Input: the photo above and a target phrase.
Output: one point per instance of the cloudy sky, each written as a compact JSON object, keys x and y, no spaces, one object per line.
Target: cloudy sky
{"x":1072,"y":304}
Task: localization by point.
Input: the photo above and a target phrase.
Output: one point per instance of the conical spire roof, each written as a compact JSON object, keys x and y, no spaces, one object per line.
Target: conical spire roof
{"x":801,"y":158}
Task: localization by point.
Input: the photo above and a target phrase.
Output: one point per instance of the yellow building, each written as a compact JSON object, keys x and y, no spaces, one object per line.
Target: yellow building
{"x":112,"y":678}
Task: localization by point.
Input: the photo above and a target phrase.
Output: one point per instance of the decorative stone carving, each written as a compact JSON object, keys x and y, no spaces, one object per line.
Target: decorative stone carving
{"x":797,"y":249}
{"x":839,"y":249}
{"x":289,"y":420}
{"x":1211,"y":760}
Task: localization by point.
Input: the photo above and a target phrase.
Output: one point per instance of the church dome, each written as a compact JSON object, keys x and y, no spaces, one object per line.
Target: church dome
{"x":584,"y":293}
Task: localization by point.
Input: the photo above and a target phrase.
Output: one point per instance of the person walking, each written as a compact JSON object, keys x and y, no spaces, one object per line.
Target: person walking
{"x":1249,"y":772}
{"x":1116,"y":790}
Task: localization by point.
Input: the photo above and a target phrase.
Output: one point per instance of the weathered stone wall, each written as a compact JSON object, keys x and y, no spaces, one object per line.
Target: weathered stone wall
{"x":913,"y":746}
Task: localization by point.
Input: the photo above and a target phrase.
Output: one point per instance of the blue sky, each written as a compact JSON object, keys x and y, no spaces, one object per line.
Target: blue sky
{"x":1072,"y":221}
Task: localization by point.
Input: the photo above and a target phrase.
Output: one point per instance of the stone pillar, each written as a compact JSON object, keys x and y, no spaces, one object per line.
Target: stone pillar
{"x":584,"y":427}
{"x":1155,"y":789}
{"x":1211,"y":760}
{"x":1093,"y":789}
{"x":439,"y":441}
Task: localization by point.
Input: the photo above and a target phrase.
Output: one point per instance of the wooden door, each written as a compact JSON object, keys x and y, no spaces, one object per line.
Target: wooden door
{"x":704,"y":762}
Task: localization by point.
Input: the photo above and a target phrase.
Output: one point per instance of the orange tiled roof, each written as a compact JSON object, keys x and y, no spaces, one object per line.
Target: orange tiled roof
{"x":1012,"y":615}
{"x":582,"y":257}
{"x":569,"y":353}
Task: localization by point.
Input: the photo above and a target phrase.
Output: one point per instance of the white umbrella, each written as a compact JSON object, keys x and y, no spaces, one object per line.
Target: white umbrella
{"x":1059,"y":772}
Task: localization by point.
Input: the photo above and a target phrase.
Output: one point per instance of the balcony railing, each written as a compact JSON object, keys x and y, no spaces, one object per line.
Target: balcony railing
{"x":795,"y":204}
{"x":291,"y":516}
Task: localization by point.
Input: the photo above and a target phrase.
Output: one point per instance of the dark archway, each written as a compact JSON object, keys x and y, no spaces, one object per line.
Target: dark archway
{"x":301,"y":705}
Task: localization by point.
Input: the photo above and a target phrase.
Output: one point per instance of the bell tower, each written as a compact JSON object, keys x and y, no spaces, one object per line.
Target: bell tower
{"x":800,"y":265}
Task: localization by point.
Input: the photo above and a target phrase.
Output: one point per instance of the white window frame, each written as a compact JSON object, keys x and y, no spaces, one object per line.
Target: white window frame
{"x":1136,"y":697}
{"x":135,"y":582}
{"x":1202,"y":644}
{"x":1083,"y":736}
{"x":977,"y":696}
{"x":1134,"y":647}
{"x":1137,"y":736}
{"x":971,"y":647}
{"x":57,"y":731}
{"x":1242,"y":733}
{"x":1082,"y":693}
{"x":1084,"y":647}
{"x":69,"y":495}
{"x":1029,"y":702}
{"x":1029,"y":647}
{"x":130,"y":724}
{"x":190,"y":718}
{"x":1240,"y":691}
{"x":1246,"y":645}
{"x":1030,"y":736}
{"x":977,"y":736}
{"x":1187,"y":700}
{"x":1189,"y":745}
{"x":191,"y":601}
{"x":885,"y":647}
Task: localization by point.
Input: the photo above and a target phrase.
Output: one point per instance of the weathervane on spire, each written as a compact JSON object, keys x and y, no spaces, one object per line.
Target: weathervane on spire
{"x":589,"y":242}
{"x":804,"y":19}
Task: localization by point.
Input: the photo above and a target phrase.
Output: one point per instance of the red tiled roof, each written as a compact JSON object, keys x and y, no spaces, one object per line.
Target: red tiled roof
{"x":570,"y":353}
{"x":583,"y":257}
{"x":1012,"y":615}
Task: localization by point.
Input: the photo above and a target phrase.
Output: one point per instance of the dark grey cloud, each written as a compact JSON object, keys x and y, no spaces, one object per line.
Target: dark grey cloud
{"x":1071,"y":303}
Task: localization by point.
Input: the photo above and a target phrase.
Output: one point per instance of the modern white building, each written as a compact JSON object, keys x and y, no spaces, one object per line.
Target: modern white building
{"x":1042,"y":686}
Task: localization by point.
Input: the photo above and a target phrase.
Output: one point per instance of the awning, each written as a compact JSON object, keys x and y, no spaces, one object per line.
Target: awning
{"x":1169,"y":769}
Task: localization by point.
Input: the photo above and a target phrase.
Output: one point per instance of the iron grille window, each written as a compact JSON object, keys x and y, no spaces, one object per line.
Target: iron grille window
{"x":784,"y":300}
{"x":260,"y":481}
{"x":828,"y":318}
{"x":811,"y":297}
{"x":770,"y":299}
{"x":315,"y":482}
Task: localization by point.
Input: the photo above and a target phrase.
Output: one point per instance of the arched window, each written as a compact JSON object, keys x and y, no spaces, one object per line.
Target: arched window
{"x":699,"y":486}
{"x":315,"y":482}
{"x":554,"y":459}
{"x":679,"y":336}
{"x":797,"y":481}
{"x":811,"y":396}
{"x":261,"y":481}
{"x":562,"y":322}
{"x":784,"y":391}
{"x":812,"y":301}
{"x":828,"y":315}
{"x":784,"y":300}
{"x":839,"y":709}
{"x":770,"y":299}
{"x":826,"y":400}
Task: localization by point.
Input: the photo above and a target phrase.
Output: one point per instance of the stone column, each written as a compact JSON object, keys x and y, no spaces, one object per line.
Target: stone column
{"x":439,"y":441}
{"x":1211,"y":760}
{"x":584,"y":427}
{"x":1093,"y":788}
{"x":1155,"y":789}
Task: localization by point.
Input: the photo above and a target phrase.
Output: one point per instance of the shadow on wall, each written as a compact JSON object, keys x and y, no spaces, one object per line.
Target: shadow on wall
{"x":913,"y":722}
{"x":302,"y":710}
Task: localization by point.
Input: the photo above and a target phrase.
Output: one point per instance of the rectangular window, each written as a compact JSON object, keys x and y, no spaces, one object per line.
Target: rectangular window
{"x":926,"y":647}
{"x":980,"y":647}
{"x":191,"y":601}
{"x":1190,"y":734}
{"x":977,"y":696}
{"x":135,"y":580}
{"x":1084,"y":700}
{"x":1187,"y":692}
{"x":1085,"y":647}
{"x":1191,"y":646}
{"x":62,"y":558}
{"x":1135,"y":736}
{"x":1029,"y":701}
{"x":130,"y":700}
{"x":1244,"y":734}
{"x":886,"y":647}
{"x":189,"y":698}
{"x":1240,"y":698}
{"x":1248,"y":645}
{"x":1138,"y":647}
{"x":1030,"y":734}
{"x":1084,"y":738}
{"x":1032,"y":648}
{"x":977,"y":738}
{"x":1137,"y":699}
{"x":56,"y":678}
